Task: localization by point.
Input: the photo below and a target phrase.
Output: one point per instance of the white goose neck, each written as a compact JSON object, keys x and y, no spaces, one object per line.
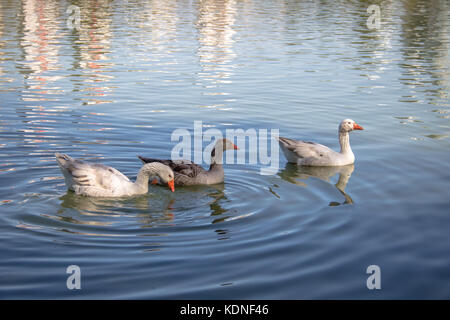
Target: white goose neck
{"x":344,"y":141}
{"x":147,"y":171}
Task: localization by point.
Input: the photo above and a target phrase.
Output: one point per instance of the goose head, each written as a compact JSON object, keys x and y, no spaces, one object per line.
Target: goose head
{"x":220,"y":146}
{"x":348,"y":125}
{"x":163,"y":172}
{"x":226,"y":144}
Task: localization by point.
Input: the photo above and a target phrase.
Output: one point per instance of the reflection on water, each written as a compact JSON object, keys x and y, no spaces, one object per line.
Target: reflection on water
{"x":293,"y":173}
{"x":423,"y":44}
{"x":215,"y":37}
{"x":148,"y":210}
{"x":158,"y":22}
{"x":218,"y":196}
{"x":92,"y":46}
{"x":40,"y":44}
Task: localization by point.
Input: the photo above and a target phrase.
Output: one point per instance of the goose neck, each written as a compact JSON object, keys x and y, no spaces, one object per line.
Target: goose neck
{"x":147,"y":171}
{"x":216,"y":159}
{"x":344,"y":141}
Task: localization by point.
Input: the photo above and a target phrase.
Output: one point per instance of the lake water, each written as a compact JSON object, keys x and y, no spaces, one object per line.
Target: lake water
{"x":119,"y":83}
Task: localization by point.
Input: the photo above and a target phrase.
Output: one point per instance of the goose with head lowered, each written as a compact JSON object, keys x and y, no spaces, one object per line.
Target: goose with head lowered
{"x":98,"y":180}
{"x":313,"y":154}
{"x":188,"y":173}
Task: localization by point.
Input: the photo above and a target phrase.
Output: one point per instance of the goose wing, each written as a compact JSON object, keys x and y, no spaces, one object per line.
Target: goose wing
{"x":85,"y":174}
{"x":179,"y":167}
{"x":304,"y":149}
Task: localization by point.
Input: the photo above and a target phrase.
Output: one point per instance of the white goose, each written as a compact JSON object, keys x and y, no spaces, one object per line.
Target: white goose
{"x":314,"y":154}
{"x":98,"y":180}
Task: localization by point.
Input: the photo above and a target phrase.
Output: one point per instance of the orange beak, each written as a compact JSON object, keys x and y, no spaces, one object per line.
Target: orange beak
{"x":357,"y":127}
{"x":235,"y":147}
{"x":155,"y":181}
{"x":171,"y":185}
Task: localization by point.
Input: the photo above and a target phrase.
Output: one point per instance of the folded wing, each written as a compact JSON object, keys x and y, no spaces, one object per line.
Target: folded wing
{"x":80,"y":174}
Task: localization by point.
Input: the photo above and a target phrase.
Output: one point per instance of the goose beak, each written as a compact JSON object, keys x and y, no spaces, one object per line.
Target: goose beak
{"x":235,"y":147}
{"x":357,"y":127}
{"x":171,"y":185}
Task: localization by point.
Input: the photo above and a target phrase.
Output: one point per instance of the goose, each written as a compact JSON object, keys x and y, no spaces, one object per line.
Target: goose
{"x":313,"y":154}
{"x":98,"y":180}
{"x":188,"y":173}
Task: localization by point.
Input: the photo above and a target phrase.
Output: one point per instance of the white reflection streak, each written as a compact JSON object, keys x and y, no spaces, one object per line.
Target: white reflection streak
{"x":160,"y":19}
{"x":1,"y":43}
{"x":384,"y":35}
{"x":94,"y":38}
{"x":38,"y":42}
{"x":216,"y":19}
{"x":442,"y":60}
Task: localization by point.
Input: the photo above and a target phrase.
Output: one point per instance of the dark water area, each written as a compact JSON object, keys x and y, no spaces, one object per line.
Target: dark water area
{"x":132,"y":72}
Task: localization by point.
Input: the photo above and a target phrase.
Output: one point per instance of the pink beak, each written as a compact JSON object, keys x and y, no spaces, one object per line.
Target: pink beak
{"x":357,"y":127}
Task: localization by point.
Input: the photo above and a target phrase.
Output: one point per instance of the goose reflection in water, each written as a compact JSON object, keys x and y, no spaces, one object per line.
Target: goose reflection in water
{"x":218,"y":196}
{"x":293,"y":173}
{"x":98,"y":211}
{"x":217,"y":210}
{"x":215,"y":192}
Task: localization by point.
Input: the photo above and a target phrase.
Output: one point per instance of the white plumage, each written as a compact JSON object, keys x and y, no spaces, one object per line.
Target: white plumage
{"x":98,"y":180}
{"x":314,"y":154}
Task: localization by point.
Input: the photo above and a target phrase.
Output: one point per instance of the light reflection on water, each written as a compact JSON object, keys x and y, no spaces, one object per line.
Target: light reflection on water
{"x":136,"y":70}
